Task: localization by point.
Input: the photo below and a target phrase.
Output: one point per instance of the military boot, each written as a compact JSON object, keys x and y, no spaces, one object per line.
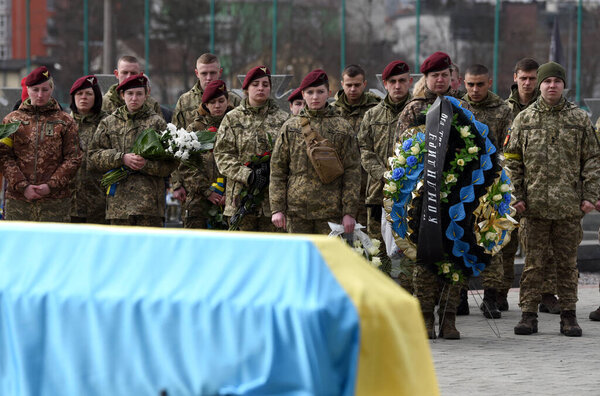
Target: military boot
{"x":528,"y":324}
{"x":569,"y":325}
{"x":502,"y":300}
{"x":463,"y":306}
{"x":429,"y":324}
{"x":447,"y":326}
{"x":595,"y":315}
{"x":488,"y":306}
{"x":549,"y":304}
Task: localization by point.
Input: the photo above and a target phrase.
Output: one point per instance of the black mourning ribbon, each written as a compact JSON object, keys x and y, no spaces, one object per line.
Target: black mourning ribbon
{"x":430,"y":248}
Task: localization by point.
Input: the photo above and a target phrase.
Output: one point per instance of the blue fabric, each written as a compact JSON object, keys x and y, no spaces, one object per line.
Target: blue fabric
{"x":90,"y":310}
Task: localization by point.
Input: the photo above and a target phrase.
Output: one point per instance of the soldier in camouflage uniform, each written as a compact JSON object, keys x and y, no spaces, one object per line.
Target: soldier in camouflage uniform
{"x":427,"y":286}
{"x":524,"y":93}
{"x":208,"y":68}
{"x":127,"y":66}
{"x":553,"y":157}
{"x":376,"y":142}
{"x":249,"y":130}
{"x":491,"y":110}
{"x":352,"y":102}
{"x":197,"y":182}
{"x":300,"y":201}
{"x":140,"y":199}
{"x":88,"y":199}
{"x":41,"y":157}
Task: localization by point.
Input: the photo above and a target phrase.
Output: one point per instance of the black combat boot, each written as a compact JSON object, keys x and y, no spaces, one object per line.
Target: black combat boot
{"x":463,"y":306}
{"x":595,"y":315}
{"x":447,"y":326}
{"x":429,"y":324}
{"x":488,"y":306}
{"x":528,"y":324}
{"x":502,"y":300}
{"x":549,"y":304}
{"x":569,"y":325}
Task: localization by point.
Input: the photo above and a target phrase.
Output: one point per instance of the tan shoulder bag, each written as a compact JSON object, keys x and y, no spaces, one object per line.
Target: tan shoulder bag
{"x":323,"y":156}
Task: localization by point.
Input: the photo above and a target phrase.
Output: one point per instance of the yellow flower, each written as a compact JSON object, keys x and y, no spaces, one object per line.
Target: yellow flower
{"x":415,"y":150}
{"x":490,"y":236}
{"x":443,"y":194}
{"x":504,"y":188}
{"x":473,"y":149}
{"x":401,"y":160}
{"x":357,"y":243}
{"x":373,"y":251}
{"x":359,"y":250}
{"x":460,"y":162}
{"x":465,"y":131}
{"x":376,"y":243}
{"x":450,"y":178}
{"x":446,"y":268}
{"x":455,"y":277}
{"x":497,"y":197}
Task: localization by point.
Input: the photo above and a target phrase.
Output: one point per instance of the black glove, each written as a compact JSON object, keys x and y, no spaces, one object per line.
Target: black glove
{"x":259,"y":178}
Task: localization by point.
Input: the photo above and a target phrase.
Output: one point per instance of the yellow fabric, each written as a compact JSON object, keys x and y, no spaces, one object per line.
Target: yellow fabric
{"x":512,"y":156}
{"x":395,"y":358}
{"x":8,"y":141}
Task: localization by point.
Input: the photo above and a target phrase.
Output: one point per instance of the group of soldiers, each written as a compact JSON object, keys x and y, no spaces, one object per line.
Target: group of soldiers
{"x":54,"y":162}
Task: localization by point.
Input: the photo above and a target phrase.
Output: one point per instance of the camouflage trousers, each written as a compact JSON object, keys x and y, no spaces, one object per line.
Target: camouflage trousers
{"x":296,"y":225}
{"x":432,"y":291}
{"x":507,"y":256}
{"x":198,"y":222}
{"x":140,"y":221}
{"x":549,"y":283}
{"x":252,"y":222}
{"x":51,"y":210}
{"x":493,"y":275}
{"x":543,"y":239}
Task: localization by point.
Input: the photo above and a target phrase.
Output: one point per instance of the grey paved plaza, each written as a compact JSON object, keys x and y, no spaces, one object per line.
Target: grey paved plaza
{"x":546,"y":363}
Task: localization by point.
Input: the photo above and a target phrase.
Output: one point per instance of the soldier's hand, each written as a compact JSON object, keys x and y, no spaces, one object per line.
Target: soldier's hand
{"x":278,"y":220}
{"x":41,"y":189}
{"x":134,"y":161}
{"x":348,"y":222}
{"x":31,"y":194}
{"x":222,"y":201}
{"x":597,"y":205}
{"x":214,"y":198}
{"x":587,"y":206}
{"x":520,"y":206}
{"x":179,"y":194}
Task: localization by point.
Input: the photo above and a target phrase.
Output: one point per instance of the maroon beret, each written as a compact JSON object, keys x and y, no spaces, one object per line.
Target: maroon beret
{"x":436,"y":62}
{"x":255,"y":73}
{"x":214,"y":89}
{"x":137,"y":81}
{"x":295,"y":95}
{"x":83,"y":83}
{"x":314,"y":78}
{"x":38,"y":76}
{"x":394,"y":68}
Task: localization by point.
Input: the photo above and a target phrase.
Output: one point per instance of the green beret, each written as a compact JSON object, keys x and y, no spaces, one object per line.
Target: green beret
{"x":551,"y":69}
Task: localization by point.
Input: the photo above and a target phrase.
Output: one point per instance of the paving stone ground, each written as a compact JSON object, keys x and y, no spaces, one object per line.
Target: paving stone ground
{"x":546,"y":363}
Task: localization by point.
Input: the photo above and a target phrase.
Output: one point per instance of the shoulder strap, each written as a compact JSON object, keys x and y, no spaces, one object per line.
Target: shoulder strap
{"x":310,"y":134}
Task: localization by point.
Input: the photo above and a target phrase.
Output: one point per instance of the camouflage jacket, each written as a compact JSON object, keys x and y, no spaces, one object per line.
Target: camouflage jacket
{"x":111,"y":101}
{"x":414,"y":108}
{"x":87,"y":196}
{"x":496,"y":114}
{"x":197,"y":182}
{"x":355,"y":113}
{"x":376,"y":142}
{"x":243,"y":133}
{"x":295,"y":188}
{"x":143,"y":192}
{"x":189,"y":103}
{"x":45,"y":149}
{"x":513,"y":100}
{"x":553,"y":157}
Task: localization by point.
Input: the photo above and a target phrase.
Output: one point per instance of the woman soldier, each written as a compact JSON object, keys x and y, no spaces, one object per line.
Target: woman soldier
{"x":41,"y":157}
{"x":88,"y":199}
{"x":249,"y":129}
{"x":194,"y":185}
